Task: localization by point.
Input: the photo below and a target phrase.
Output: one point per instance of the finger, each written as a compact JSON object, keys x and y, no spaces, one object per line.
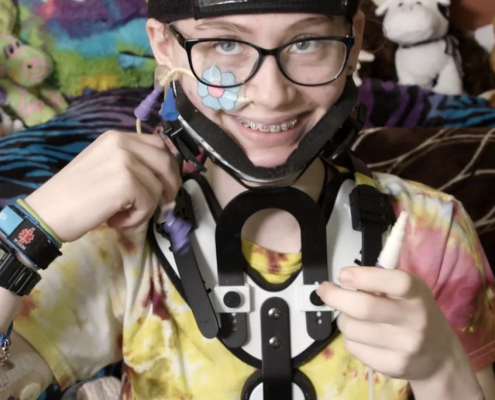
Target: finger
{"x":395,"y":283}
{"x":136,"y":215}
{"x":151,"y":182}
{"x":360,"y":305}
{"x":384,"y":336}
{"x":140,"y":204}
{"x":364,"y":332}
{"x":388,"y":362}
{"x":162,"y":163}
{"x":152,"y":140}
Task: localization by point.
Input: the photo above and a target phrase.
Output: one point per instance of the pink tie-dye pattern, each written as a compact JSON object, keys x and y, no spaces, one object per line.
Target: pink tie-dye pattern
{"x":444,"y":251}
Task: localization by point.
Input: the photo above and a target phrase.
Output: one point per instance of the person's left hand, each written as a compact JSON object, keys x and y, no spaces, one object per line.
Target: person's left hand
{"x":391,"y":322}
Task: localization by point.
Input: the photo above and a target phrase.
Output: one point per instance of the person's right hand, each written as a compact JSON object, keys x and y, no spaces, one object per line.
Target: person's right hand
{"x":119,"y":179}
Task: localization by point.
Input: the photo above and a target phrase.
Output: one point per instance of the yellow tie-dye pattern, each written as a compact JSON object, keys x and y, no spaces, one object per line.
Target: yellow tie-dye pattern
{"x":263,"y":261}
{"x":192,"y":367}
{"x":109,"y":297}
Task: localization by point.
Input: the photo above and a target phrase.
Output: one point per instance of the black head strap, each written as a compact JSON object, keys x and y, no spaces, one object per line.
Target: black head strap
{"x":173,"y":10}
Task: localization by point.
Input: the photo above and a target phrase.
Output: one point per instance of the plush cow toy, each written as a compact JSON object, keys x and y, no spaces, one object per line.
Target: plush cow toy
{"x":427,"y":55}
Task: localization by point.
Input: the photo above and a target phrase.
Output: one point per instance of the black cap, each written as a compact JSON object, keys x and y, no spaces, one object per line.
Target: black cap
{"x":173,"y":10}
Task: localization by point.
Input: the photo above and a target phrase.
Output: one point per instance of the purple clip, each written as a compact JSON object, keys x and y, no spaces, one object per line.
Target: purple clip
{"x":178,"y":231}
{"x":144,"y":109}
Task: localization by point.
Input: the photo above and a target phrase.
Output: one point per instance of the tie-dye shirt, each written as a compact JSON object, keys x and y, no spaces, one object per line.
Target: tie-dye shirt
{"x":108,"y":299}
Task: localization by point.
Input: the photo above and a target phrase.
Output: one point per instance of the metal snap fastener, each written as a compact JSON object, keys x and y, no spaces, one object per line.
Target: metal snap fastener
{"x":232,"y":299}
{"x":275,"y":342}
{"x":315,"y":299}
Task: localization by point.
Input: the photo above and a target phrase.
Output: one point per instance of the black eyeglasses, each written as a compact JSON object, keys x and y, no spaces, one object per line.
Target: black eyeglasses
{"x":227,"y":63}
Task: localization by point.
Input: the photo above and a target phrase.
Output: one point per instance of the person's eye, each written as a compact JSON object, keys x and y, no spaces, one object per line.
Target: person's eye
{"x":229,"y":48}
{"x":305,"y":46}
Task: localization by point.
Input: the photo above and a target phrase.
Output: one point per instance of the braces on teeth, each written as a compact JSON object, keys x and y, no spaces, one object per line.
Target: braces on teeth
{"x":263,"y":128}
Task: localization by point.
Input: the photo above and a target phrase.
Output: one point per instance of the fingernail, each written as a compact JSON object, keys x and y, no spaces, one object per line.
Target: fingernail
{"x":346,"y":276}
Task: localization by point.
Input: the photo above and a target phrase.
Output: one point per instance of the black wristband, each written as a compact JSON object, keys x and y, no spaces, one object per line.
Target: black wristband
{"x":14,"y":275}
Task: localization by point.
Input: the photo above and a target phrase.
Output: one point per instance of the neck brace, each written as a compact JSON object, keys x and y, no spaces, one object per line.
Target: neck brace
{"x":329,"y":243}
{"x":332,"y":135}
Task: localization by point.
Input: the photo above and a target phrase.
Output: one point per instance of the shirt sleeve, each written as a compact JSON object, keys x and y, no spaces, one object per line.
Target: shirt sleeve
{"x":465,"y":290}
{"x":443,"y":248}
{"x":74,"y":316}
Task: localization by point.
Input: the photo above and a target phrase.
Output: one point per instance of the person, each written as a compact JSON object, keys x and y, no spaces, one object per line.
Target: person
{"x":274,"y":125}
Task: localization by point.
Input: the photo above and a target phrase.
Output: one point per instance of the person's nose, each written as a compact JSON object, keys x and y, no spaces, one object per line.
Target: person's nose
{"x":269,"y":88}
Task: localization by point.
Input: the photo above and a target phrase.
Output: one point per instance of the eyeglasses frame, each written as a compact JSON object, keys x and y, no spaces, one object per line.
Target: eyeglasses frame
{"x":188,"y":44}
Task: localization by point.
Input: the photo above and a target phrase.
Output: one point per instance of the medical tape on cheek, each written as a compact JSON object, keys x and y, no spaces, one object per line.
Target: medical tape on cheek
{"x":217,"y":98}
{"x":164,"y":76}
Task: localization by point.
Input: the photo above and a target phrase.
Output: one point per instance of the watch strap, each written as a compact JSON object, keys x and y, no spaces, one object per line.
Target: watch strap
{"x":26,"y":236}
{"x":14,"y":275}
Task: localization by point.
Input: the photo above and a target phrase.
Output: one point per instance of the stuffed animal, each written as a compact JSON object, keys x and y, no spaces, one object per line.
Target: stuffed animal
{"x":23,"y":69}
{"x":478,"y":74}
{"x":427,"y":55}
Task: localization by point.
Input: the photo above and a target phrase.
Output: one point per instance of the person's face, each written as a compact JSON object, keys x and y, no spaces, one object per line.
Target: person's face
{"x":287,"y":110}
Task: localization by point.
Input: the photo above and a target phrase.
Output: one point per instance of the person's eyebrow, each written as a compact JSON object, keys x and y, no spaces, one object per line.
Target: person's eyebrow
{"x":230,"y":26}
{"x":311,"y":21}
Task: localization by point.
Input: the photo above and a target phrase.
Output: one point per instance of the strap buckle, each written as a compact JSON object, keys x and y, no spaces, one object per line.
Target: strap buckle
{"x":369,"y":205}
{"x":183,"y":142}
{"x":347,"y":133}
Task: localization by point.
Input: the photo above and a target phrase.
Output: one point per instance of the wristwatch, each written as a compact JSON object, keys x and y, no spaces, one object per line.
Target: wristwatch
{"x":14,"y":275}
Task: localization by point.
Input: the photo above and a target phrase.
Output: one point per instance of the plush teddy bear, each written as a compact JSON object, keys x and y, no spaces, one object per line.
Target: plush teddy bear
{"x":427,"y":55}
{"x":23,"y":69}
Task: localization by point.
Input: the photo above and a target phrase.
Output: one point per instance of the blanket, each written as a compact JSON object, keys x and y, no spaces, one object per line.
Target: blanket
{"x":30,"y":157}
{"x":393,"y":105}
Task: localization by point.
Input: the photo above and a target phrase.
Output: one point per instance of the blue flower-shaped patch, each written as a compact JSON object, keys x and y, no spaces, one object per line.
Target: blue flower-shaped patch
{"x":218,"y":98}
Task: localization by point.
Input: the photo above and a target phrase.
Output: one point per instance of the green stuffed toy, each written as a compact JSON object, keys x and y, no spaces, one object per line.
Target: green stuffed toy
{"x":23,"y":69}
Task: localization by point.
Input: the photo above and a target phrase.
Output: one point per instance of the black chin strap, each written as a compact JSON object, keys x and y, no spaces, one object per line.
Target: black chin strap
{"x":195,"y":130}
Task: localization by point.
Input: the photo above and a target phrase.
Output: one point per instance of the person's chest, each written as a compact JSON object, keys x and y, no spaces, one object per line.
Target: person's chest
{"x":166,"y":357}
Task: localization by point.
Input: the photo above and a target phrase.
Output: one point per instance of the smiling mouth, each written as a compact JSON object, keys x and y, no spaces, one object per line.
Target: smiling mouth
{"x":268,"y":128}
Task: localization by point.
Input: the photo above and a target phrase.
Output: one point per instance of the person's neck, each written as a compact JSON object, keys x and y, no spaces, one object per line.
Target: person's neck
{"x":264,"y":228}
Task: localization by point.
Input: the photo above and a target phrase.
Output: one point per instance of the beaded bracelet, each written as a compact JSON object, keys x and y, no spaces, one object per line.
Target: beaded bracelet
{"x":5,"y":345}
